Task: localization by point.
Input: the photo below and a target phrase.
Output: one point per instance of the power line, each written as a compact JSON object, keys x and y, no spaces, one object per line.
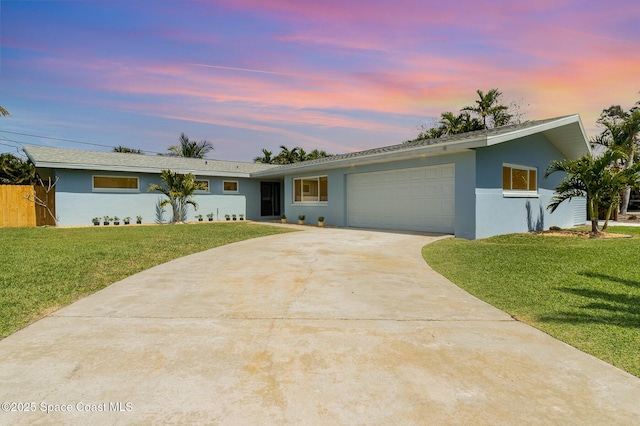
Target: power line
{"x":57,"y":139}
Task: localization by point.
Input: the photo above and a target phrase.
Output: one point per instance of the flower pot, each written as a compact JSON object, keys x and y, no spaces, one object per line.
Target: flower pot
{"x":283,"y":220}
{"x":210,"y":219}
{"x":96,"y":223}
{"x":105,"y":223}
{"x":126,"y":223}
{"x":139,"y":222}
{"x":300,"y":222}
{"x":228,"y":219}
{"x":200,"y":219}
{"x":116,"y":223}
{"x":321,"y":224}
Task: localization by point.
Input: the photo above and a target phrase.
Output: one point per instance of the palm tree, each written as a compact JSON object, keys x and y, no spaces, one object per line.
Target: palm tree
{"x":266,"y":157}
{"x":315,"y":154}
{"x":621,"y":133}
{"x":488,"y":106}
{"x":189,"y":148}
{"x":178,"y":189}
{"x":125,"y":149}
{"x":599,"y":179}
{"x":287,"y":156}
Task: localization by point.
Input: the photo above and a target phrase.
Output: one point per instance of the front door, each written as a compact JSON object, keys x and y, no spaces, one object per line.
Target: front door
{"x":270,"y":196}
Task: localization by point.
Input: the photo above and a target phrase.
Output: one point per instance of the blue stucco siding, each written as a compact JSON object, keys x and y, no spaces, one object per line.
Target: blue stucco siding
{"x":77,"y":203}
{"x":497,"y":213}
{"x":335,"y":210}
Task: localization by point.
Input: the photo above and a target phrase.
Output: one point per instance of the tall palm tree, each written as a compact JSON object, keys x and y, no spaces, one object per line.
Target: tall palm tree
{"x":266,"y":157}
{"x":189,"y":148}
{"x":600,"y":180}
{"x":315,"y":154}
{"x":178,"y":189}
{"x":287,"y":156}
{"x":488,"y":106}
{"x":621,"y":133}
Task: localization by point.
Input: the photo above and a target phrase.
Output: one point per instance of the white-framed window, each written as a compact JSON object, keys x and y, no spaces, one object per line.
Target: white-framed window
{"x":518,"y":180}
{"x":311,"y":190}
{"x":115,"y":183}
{"x":230,"y":186}
{"x":205,"y":185}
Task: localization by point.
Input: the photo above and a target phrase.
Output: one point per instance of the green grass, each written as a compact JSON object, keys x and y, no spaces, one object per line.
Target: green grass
{"x":585,"y":292}
{"x":42,"y":269}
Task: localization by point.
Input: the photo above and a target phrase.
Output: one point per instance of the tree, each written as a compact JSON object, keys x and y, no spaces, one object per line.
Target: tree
{"x":178,"y":188}
{"x":189,"y":148}
{"x":600,"y":180}
{"x":489,"y":106}
{"x":4,"y":112}
{"x":315,"y":154}
{"x":15,"y":171}
{"x":266,"y":157}
{"x":124,"y":149}
{"x":491,"y":113}
{"x":621,"y":133}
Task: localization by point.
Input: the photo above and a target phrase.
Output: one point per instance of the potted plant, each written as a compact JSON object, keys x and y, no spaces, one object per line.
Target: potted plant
{"x":234,"y":217}
{"x":210,"y":217}
{"x":228,"y":217}
{"x":321,"y":221}
{"x":199,"y":216}
{"x":116,"y":220}
{"x":241,"y":216}
{"x":96,"y":221}
{"x":301,"y":219}
{"x":138,"y":220}
{"x":283,"y":218}
{"x":127,"y":220}
{"x":106,"y":220}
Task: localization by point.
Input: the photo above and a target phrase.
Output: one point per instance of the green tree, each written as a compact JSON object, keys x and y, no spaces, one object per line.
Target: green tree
{"x":125,"y":149}
{"x":15,"y":171}
{"x":178,"y":188}
{"x":265,"y":158}
{"x":621,"y":133}
{"x":315,"y":154}
{"x":488,"y":106}
{"x":600,"y":180}
{"x":189,"y":148}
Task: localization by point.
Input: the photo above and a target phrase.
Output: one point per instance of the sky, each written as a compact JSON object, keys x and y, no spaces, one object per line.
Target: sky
{"x":340,"y":76}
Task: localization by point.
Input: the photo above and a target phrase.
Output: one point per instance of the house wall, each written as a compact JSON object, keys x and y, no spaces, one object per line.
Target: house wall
{"x":335,"y":210}
{"x":77,"y":204}
{"x":497,"y":213}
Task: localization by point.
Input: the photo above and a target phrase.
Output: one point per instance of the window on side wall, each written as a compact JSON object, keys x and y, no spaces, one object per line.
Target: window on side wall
{"x":115,"y":184}
{"x":518,"y":180}
{"x":230,"y":186}
{"x":311,"y":190}
{"x":204,"y":185}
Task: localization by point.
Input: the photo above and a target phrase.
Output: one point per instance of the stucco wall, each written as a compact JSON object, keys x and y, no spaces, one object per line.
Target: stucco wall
{"x":77,"y":204}
{"x":497,"y":213}
{"x":335,"y":210}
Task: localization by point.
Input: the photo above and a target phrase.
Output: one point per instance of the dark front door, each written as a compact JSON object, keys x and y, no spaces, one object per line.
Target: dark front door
{"x":270,"y":196}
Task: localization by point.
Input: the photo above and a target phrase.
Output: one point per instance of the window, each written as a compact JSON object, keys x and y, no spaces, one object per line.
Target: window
{"x":115,"y":183}
{"x":230,"y":186}
{"x":307,"y":190}
{"x":519,"y":179}
{"x":204,"y":183}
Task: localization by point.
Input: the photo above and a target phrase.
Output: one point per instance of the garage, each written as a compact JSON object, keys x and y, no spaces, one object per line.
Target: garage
{"x":414,"y":199}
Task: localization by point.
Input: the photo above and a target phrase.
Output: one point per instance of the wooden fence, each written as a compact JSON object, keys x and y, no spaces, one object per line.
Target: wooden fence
{"x":17,"y":210}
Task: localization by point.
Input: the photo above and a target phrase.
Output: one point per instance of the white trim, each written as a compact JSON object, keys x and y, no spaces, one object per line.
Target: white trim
{"x":520,"y":193}
{"x":317,"y":202}
{"x":117,"y":190}
{"x":224,"y":191}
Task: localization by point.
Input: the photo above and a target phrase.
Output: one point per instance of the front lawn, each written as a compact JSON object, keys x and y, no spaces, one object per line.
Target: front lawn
{"x":585,"y":292}
{"x":42,"y":269}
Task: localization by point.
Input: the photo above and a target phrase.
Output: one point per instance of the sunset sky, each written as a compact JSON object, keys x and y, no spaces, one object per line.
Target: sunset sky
{"x":334,"y":75}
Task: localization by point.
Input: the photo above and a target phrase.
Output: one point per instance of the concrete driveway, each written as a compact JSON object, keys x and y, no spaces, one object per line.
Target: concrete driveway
{"x":322,"y":327}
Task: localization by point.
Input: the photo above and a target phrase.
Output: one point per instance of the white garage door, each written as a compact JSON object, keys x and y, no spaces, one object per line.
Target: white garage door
{"x":416,"y":199}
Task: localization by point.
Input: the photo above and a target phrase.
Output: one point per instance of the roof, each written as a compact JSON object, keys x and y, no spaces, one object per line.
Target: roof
{"x":60,"y":158}
{"x":565,"y":133}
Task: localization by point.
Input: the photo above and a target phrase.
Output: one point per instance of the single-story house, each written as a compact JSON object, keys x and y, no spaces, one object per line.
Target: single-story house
{"x":472,"y":185}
